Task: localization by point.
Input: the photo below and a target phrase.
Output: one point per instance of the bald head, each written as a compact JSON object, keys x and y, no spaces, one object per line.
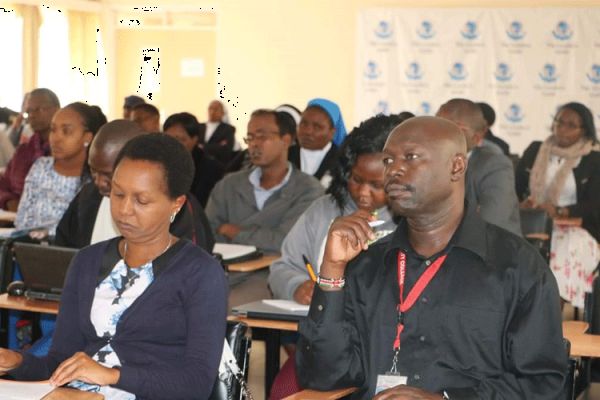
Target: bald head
{"x":105,"y":147}
{"x":468,"y":116}
{"x":425,"y":164}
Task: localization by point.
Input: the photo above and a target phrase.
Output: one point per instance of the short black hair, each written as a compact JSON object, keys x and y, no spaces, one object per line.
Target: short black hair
{"x":285,"y":122}
{"x":174,"y":159}
{"x":187,"y":121}
{"x":369,"y":137}
{"x":488,"y":113}
{"x":587,"y":118}
{"x":49,"y":94}
{"x":147,"y":107}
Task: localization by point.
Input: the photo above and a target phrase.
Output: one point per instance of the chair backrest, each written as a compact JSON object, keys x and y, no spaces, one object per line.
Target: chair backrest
{"x":569,"y":387}
{"x":536,"y":226}
{"x":227,"y":387}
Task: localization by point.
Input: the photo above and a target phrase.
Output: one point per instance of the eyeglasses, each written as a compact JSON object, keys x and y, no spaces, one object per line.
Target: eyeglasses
{"x":259,"y":138}
{"x":569,"y":125}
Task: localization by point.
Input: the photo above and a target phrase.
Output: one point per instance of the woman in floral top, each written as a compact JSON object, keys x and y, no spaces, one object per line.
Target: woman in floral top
{"x":53,"y":181}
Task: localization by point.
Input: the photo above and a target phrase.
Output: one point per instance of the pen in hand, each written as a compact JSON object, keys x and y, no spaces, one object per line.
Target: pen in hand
{"x":309,"y":268}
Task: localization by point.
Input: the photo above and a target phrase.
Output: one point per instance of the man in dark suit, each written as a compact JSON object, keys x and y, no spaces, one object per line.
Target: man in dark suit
{"x":490,"y":179}
{"x":217,"y":138}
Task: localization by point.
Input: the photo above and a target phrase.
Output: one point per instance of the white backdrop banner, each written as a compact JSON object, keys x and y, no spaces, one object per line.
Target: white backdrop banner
{"x":523,"y":62}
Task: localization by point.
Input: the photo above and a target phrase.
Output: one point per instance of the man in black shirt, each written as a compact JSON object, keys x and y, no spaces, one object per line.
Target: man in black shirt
{"x":479,"y":315}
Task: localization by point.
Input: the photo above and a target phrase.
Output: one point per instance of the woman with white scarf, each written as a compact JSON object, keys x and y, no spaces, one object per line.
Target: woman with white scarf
{"x":562,"y":176}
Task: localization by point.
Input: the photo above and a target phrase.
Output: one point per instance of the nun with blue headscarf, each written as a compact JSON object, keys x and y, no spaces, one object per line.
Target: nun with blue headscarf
{"x":319,"y":134}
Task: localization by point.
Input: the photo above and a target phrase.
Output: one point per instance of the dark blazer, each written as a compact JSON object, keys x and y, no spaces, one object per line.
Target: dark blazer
{"x":214,"y":147}
{"x":587,"y":183}
{"x":327,"y":165}
{"x":77,"y":223}
{"x":208,"y":172}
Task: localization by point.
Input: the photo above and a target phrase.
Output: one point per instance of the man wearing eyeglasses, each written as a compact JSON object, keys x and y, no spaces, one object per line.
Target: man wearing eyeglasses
{"x":40,"y":108}
{"x":490,"y":178}
{"x":259,"y":206}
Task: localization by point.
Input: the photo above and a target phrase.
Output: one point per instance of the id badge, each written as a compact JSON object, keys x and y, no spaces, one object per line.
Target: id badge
{"x":389,"y":380}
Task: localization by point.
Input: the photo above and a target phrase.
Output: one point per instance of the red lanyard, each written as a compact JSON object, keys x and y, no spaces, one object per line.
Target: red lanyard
{"x":415,"y":292}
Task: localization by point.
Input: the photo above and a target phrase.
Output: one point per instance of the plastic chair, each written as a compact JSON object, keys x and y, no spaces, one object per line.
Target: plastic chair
{"x":536,"y":226}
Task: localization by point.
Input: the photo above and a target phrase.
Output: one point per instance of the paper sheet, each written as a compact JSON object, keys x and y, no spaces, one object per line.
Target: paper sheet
{"x":19,"y":390}
{"x":289,"y":305}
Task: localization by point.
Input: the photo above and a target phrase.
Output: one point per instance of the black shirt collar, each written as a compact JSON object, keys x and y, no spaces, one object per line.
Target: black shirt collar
{"x":470,"y":235}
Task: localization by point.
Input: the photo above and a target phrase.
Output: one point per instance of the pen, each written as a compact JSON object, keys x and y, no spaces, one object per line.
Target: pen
{"x":376,"y":223}
{"x":309,"y":268}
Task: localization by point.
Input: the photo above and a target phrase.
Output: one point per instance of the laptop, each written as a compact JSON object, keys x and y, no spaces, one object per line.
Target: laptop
{"x":262,"y":310}
{"x":43,"y":268}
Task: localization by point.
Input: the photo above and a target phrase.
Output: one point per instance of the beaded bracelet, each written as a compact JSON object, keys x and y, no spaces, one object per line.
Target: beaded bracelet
{"x":331,"y":282}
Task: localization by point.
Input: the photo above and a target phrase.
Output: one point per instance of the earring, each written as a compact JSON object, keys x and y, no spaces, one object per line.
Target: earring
{"x":173,"y":216}
{"x":86,"y":144}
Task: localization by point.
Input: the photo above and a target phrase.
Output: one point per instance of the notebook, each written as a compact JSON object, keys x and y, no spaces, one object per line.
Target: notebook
{"x":43,"y":268}
{"x":236,"y":253}
{"x":260,"y":309}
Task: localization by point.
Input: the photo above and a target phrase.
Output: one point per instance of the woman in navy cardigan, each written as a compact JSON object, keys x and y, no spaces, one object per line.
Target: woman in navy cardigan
{"x":142,"y":315}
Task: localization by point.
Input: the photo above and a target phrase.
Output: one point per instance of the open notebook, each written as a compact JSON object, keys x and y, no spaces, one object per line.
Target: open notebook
{"x":19,"y":390}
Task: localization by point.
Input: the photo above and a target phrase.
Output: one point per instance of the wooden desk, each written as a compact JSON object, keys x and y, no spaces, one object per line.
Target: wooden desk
{"x":71,"y":394}
{"x":22,"y":303}
{"x":582,"y":344}
{"x":253,"y":265}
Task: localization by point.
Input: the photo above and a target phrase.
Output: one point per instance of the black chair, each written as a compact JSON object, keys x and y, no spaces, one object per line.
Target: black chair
{"x":536,"y":226}
{"x":569,"y":387}
{"x":227,"y":387}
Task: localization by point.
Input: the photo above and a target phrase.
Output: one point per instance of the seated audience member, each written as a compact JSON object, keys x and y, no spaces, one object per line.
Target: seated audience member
{"x":41,"y":105}
{"x":320,"y":131}
{"x":53,"y":181}
{"x":489,"y":138}
{"x":259,"y":206}
{"x":20,"y":131}
{"x":356,"y":189}
{"x":447,"y":306}
{"x":184,"y":127}
{"x":242,"y":160}
{"x":217,"y":137}
{"x":130,"y":102}
{"x":490,"y":178}
{"x":562,"y":176}
{"x":143,"y":315}
{"x":88,"y":221}
{"x":147,"y":117}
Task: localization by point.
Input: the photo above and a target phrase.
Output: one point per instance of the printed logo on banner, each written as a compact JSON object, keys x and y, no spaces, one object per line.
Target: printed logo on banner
{"x":382,"y":107}
{"x":515,"y":30}
{"x":548,"y":73}
{"x":414,"y":72}
{"x":384,"y":30}
{"x":514,"y":114}
{"x":425,"y":108}
{"x":503,"y":72}
{"x":562,"y":31}
{"x":470,"y":31}
{"x":425,"y":31}
{"x":594,"y":74}
{"x":458,"y":72}
{"x":372,"y":70}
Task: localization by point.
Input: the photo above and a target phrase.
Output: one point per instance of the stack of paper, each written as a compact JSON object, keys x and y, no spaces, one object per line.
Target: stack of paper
{"x":231,"y":251}
{"x":19,"y":390}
